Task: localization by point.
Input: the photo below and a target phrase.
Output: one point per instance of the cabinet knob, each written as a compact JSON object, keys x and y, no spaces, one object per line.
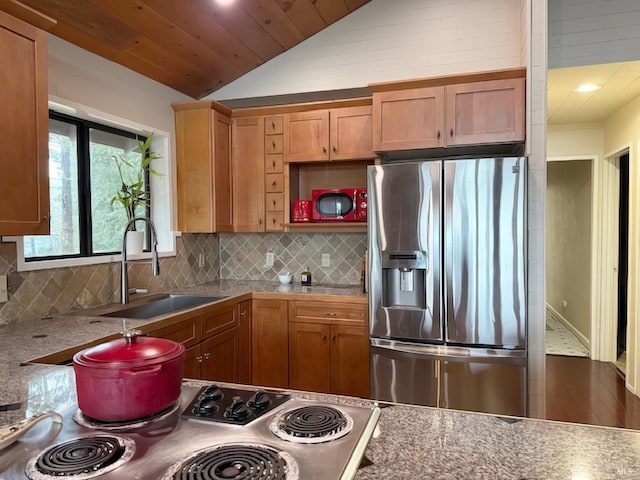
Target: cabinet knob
{"x":324,"y":337}
{"x":273,"y":163}
{"x":273,"y":220}
{"x":330,"y":314}
{"x":324,"y":150}
{"x":438,"y":134}
{"x":274,"y":203}
{"x":243,"y":313}
{"x":206,"y":356}
{"x":199,"y":359}
{"x":335,"y":150}
{"x":333,"y":337}
{"x":273,"y":144}
{"x":274,"y":184}
{"x":273,"y":125}
{"x":451,"y":133}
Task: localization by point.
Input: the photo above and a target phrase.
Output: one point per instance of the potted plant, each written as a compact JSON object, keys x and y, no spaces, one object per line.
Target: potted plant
{"x":133,"y":192}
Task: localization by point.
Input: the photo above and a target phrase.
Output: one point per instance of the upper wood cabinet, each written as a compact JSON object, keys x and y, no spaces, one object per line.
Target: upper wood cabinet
{"x":248,"y":174}
{"x":24,"y":124}
{"x":203,"y":157}
{"x":329,"y":134}
{"x":476,"y":109}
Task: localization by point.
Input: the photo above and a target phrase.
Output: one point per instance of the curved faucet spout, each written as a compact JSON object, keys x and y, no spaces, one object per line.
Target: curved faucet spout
{"x":155,"y":263}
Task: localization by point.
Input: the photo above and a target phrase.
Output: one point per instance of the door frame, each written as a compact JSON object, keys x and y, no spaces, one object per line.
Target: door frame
{"x":595,"y":323}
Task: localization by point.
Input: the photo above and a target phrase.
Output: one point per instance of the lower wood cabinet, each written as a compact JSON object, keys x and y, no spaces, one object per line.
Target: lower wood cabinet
{"x":329,"y":347}
{"x":244,"y":348}
{"x":221,"y":357}
{"x":329,"y":358}
{"x":270,"y":343}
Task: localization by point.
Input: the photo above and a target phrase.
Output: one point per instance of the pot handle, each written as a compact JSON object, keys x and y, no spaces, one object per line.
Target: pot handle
{"x":142,"y":371}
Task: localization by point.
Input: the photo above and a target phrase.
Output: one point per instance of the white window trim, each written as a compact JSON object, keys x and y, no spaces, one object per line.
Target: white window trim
{"x":162,"y":200}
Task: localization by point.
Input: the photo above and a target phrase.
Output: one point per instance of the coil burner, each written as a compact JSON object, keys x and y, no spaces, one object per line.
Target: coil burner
{"x":236,"y":461}
{"x":81,"y":459}
{"x":311,"y":424}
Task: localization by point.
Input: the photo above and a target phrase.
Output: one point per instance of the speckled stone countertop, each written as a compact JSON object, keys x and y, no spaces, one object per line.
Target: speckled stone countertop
{"x":412,"y":442}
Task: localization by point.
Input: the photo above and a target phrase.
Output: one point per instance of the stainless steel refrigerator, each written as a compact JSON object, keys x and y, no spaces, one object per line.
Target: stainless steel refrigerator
{"x":447,"y":283}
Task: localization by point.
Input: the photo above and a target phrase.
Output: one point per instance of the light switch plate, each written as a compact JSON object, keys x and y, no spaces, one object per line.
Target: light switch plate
{"x":4,"y":294}
{"x":269,"y":259}
{"x":326,"y":260}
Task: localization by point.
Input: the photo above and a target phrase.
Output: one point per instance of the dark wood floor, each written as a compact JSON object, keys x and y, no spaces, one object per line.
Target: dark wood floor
{"x":581,"y":390}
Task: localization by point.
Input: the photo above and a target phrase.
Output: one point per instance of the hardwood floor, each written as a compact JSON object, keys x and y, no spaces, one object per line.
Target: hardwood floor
{"x":581,"y":390}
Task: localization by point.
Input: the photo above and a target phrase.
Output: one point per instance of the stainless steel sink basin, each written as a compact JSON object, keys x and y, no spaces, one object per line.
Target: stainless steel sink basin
{"x":162,"y":306}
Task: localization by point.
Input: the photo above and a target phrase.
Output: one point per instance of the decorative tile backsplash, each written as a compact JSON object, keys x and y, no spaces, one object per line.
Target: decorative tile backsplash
{"x":243,"y":256}
{"x":37,"y":294}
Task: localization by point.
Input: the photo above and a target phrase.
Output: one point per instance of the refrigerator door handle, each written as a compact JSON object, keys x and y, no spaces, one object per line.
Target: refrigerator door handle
{"x":448,"y":300}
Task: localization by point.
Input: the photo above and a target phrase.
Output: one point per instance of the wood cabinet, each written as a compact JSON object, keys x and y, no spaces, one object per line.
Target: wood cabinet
{"x":204,"y":173}
{"x":475,"y":109}
{"x":213,"y":340}
{"x":24,"y":123}
{"x":248,"y":174}
{"x":329,"y":347}
{"x":244,"y":348}
{"x":270,"y":343}
{"x":274,"y":174}
{"x":328,"y":134}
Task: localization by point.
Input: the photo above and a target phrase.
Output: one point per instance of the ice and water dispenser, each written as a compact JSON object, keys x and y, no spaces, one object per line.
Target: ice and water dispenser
{"x":404,"y":276}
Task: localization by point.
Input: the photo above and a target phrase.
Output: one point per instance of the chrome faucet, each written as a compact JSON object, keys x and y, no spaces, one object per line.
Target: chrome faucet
{"x":155,"y":263}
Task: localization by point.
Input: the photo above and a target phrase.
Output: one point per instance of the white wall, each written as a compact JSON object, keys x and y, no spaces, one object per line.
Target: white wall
{"x":393,"y":40}
{"x":589,"y":32}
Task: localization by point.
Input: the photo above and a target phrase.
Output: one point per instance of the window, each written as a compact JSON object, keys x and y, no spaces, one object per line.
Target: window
{"x":83,"y":179}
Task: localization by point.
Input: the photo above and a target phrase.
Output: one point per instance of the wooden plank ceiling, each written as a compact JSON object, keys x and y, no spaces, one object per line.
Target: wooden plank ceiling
{"x":193,"y":46}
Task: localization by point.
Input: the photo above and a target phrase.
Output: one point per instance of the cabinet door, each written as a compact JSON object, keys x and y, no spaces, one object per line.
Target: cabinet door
{"x":408,"y":119}
{"x":306,"y":136}
{"x":223,"y":194}
{"x":192,"y":363}
{"x":270,"y":343}
{"x":244,"y":318}
{"x":185,"y":331}
{"x":24,"y":123}
{"x":218,"y":319}
{"x":350,"y":133}
{"x":309,"y":359}
{"x":485,"y":112}
{"x":248,"y":174}
{"x":350,"y":361}
{"x":220,"y":357}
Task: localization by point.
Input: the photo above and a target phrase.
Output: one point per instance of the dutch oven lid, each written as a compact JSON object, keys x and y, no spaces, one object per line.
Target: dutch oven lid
{"x":131,"y":351}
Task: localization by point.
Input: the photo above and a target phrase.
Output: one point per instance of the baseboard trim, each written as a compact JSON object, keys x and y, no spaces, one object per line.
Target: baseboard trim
{"x":574,"y":331}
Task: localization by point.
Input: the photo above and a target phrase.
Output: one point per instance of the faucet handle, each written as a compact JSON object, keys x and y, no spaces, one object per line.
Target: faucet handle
{"x":155,"y":263}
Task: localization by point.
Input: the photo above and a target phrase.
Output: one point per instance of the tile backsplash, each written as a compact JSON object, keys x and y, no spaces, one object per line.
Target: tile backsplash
{"x":39,"y":293}
{"x":243,"y":256}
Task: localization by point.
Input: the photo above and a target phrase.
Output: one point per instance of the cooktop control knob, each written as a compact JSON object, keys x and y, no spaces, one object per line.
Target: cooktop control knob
{"x":212,"y":392}
{"x":238,"y":410}
{"x":204,"y":407}
{"x":259,"y":400}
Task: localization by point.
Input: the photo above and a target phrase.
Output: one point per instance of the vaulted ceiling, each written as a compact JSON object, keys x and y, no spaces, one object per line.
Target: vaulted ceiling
{"x":193,"y":46}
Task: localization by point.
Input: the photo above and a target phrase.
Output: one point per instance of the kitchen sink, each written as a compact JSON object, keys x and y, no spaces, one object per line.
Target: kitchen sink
{"x":162,"y":306}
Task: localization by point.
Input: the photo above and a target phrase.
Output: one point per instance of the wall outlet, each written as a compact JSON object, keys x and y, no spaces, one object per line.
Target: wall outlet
{"x":201,"y":260}
{"x":269,"y":259}
{"x":326,"y":260}
{"x":4,"y":294}
{"x":564,"y":303}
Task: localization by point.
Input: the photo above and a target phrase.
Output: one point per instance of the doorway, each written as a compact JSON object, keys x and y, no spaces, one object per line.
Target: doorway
{"x":623,"y":261}
{"x":569,"y":228}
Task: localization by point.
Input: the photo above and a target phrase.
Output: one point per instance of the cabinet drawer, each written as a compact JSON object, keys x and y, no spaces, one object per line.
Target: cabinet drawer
{"x":273,"y":163}
{"x":218,"y":320}
{"x":275,"y":202}
{"x":186,"y":331}
{"x":328,"y":312}
{"x":272,"y":144}
{"x":272,"y":125}
{"x":275,"y":222}
{"x":274,"y":182}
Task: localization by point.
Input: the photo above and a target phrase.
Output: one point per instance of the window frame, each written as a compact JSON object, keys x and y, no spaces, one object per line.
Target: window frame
{"x":85,"y":224}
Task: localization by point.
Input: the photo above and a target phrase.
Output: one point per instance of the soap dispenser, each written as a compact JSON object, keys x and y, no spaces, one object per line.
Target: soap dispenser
{"x":305,"y":277}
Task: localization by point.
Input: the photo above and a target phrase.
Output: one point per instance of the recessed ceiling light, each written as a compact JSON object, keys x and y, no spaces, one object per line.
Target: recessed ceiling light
{"x":224,"y":3}
{"x":588,"y":87}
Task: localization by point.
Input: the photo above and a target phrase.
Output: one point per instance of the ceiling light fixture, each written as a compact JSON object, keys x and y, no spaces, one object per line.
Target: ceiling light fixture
{"x":588,"y":87}
{"x":224,"y":3}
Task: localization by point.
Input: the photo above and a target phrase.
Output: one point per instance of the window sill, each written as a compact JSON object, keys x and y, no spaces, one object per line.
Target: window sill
{"x":24,"y":266}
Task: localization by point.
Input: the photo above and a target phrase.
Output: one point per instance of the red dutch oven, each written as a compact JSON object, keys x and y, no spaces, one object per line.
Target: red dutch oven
{"x":128,"y":378}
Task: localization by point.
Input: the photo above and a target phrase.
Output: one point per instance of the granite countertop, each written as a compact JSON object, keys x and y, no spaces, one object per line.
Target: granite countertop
{"x":411,"y":443}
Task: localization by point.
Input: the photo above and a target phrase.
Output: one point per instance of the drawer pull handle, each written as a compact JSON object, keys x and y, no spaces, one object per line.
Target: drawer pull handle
{"x":274,"y":203}
{"x":330,"y":314}
{"x":335,"y":150}
{"x":273,"y":163}
{"x":333,"y":338}
{"x":438,"y":134}
{"x":274,"y":144}
{"x":243,"y":313}
{"x":324,"y":337}
{"x":324,"y":150}
{"x":451,"y":133}
{"x":273,"y":125}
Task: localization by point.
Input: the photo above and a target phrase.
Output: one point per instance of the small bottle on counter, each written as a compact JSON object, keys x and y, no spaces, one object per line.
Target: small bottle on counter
{"x":305,"y":277}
